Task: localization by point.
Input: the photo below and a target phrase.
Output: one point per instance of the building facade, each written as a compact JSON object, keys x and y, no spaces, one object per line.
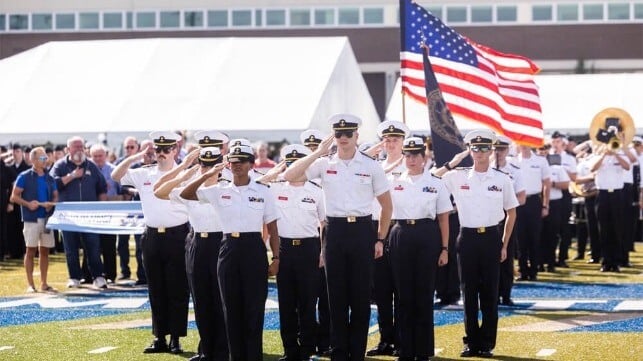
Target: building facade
{"x":560,"y":36}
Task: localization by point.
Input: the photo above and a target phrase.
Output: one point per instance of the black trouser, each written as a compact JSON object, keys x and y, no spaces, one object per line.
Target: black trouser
{"x":415,"y":250}
{"x":630,"y":217}
{"x":322,"y":335}
{"x":528,"y":227}
{"x":164,"y":258}
{"x":201,"y":269}
{"x":243,"y":280}
{"x":348,"y":253}
{"x":479,"y":263}
{"x":297,"y":286}
{"x":592,"y":227}
{"x":506,"y":280}
{"x":385,"y":296}
{"x":609,"y":210}
{"x":108,"y":253}
{"x":552,"y":229}
{"x":447,"y":284}
{"x":565,"y":228}
{"x":15,"y":241}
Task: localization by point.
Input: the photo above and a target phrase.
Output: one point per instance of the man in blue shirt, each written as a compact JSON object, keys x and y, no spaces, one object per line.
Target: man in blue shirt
{"x":79,"y":180}
{"x":35,"y":191}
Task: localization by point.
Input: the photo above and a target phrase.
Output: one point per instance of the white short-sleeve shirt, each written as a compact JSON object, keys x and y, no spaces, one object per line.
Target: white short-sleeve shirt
{"x":416,"y":197}
{"x":300,"y":208}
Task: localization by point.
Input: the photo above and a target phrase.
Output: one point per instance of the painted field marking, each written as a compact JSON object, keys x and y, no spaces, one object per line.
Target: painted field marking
{"x":102,"y":349}
{"x":572,"y":322}
{"x":438,"y":351}
{"x":546,"y":352}
{"x":629,"y":305}
{"x":555,"y":304}
{"x":3,"y":348}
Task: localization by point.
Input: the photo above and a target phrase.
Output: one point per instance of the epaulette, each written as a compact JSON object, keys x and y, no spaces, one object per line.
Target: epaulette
{"x":435,"y":176}
{"x":263,"y":184}
{"x":513,"y":165}
{"x":148,"y":165}
{"x":258,"y":172}
{"x":315,"y":184}
{"x":501,"y":171}
{"x":371,"y":157}
{"x":462,"y":168}
{"x":221,"y":179}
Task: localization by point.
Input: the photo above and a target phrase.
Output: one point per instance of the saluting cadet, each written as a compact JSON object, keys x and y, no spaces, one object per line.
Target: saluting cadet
{"x":392,"y":133}
{"x":350,"y":181}
{"x":535,"y":175}
{"x":163,"y":244}
{"x":483,"y":195}
{"x":418,"y":245}
{"x":301,"y":213}
{"x":311,"y":138}
{"x":203,"y":243}
{"x":243,"y":206}
{"x":609,"y":167}
{"x":500,"y":162}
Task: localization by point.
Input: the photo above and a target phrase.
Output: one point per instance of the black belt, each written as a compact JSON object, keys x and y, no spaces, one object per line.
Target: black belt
{"x":480,"y":230}
{"x":412,"y":222}
{"x":160,"y":230}
{"x":207,"y":234}
{"x":297,"y":241}
{"x":350,"y":219}
{"x":533,"y":195}
{"x":242,"y":234}
{"x":609,"y":190}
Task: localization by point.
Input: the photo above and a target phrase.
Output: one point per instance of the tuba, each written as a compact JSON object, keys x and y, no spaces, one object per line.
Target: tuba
{"x":608,"y":124}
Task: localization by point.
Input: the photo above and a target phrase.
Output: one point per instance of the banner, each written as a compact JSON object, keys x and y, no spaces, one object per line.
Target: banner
{"x":98,"y":217}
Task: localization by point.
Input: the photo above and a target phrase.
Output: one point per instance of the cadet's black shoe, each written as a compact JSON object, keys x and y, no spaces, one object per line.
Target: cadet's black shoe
{"x":175,"y":345}
{"x":485,"y":353}
{"x":562,"y":264}
{"x":507,"y":302}
{"x":157,"y":346}
{"x":468,"y":352}
{"x":551,"y":269}
{"x":616,"y":269}
{"x":382,"y":348}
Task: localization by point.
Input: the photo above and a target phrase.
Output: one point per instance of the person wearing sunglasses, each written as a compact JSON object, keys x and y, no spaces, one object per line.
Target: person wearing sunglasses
{"x":163,"y":243}
{"x":350,"y":181}
{"x":36,"y":193}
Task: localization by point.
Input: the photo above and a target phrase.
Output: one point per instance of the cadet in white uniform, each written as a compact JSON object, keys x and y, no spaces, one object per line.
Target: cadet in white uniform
{"x":301,"y":213}
{"x":482,"y":195}
{"x":163,"y":244}
{"x":419,"y":243}
{"x":244,"y":206}
{"x":350,"y":181}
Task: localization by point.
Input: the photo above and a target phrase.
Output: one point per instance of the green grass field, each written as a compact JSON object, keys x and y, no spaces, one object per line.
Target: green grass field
{"x":73,"y":340}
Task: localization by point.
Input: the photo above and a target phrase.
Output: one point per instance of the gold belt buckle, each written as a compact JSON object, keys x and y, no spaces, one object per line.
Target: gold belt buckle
{"x":204,"y":234}
{"x":235,"y":235}
{"x":410,"y":221}
{"x":296,"y":242}
{"x":481,"y":229}
{"x":610,"y":190}
{"x":351,"y":219}
{"x":160,"y":230}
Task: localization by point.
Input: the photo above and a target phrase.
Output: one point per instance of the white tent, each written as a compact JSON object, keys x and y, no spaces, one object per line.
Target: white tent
{"x":258,"y":88}
{"x":568,"y":102}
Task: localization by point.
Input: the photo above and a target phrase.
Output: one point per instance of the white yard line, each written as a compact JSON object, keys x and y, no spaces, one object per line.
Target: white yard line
{"x":102,"y":349}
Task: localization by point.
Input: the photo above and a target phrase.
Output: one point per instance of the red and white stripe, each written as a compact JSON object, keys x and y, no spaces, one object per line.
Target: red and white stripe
{"x":500,"y":93}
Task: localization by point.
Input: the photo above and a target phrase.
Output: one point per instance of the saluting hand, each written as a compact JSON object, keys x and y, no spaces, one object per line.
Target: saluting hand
{"x":324,"y":146}
{"x":191,"y":157}
{"x":214,"y":170}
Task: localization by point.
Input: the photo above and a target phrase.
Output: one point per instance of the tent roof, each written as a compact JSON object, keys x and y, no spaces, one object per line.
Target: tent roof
{"x":569,"y":102}
{"x":261,"y":88}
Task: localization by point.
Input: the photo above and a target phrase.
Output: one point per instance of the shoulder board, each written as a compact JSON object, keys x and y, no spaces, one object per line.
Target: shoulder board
{"x":501,"y":171}
{"x":148,"y":165}
{"x":462,"y":168}
{"x":368,"y":156}
{"x":435,"y":176}
{"x":221,"y":179}
{"x":313,"y":183}
{"x":513,"y":165}
{"x":263,"y":184}
{"x":258,"y":172}
{"x":279,"y":181}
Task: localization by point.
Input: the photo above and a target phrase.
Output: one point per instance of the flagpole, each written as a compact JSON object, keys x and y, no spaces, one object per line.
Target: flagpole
{"x":403,"y":107}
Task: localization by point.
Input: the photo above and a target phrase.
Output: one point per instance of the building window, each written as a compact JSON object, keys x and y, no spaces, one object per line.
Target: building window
{"x":275,"y":17}
{"x":3,"y":22}
{"x":618,"y":11}
{"x":456,"y":14}
{"x":299,"y":17}
{"x":41,"y":22}
{"x":65,"y":21}
{"x":435,"y":10}
{"x":541,"y":13}
{"x":193,"y":19}
{"x":218,"y":18}
{"x":507,"y":13}
{"x":112,"y":20}
{"x":638,"y":13}
{"x":88,"y":20}
{"x":324,"y":17}
{"x":592,"y":11}
{"x":348,"y":16}
{"x":241,"y":18}
{"x":258,"y":17}
{"x":170,"y":19}
{"x":373,"y":16}
{"x":146,"y":20}
{"x":481,"y":14}
{"x":18,"y":22}
{"x":567,"y":12}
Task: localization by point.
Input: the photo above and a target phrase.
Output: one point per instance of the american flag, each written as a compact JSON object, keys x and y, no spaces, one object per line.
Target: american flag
{"x":477,"y":82}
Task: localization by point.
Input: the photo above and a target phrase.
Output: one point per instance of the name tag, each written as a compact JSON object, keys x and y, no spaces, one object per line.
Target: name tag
{"x":331,"y":172}
{"x":282,"y":198}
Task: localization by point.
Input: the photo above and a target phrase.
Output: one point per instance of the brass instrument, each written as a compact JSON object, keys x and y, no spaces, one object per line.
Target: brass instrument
{"x":582,"y":190}
{"x":608,"y":124}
